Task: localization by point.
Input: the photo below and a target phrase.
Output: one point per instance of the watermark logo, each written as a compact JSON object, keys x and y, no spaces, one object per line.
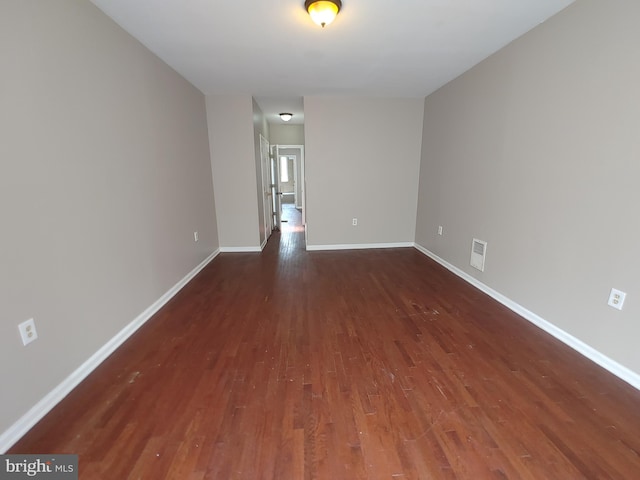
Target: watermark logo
{"x":49,"y":467}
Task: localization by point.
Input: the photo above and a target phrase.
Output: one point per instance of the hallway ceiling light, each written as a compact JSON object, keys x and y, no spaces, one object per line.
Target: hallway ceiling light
{"x":323,"y":12}
{"x":286,"y":116}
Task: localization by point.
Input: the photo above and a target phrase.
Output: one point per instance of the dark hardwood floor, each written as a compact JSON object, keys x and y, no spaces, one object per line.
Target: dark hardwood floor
{"x":374,"y":364}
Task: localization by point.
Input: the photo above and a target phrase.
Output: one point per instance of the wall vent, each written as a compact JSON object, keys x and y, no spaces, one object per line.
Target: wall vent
{"x":478,"y":254}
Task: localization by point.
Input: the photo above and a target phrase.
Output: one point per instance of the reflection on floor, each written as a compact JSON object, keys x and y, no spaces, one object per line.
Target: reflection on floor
{"x":291,"y":218}
{"x":291,"y":236}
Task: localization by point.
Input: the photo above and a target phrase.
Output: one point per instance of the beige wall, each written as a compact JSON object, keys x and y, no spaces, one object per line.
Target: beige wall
{"x":286,"y":134}
{"x":362,"y":160}
{"x":537,"y":151}
{"x":104,"y":177}
{"x":231,"y":137}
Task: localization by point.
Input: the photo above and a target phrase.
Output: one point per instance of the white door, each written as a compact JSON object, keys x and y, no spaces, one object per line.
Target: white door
{"x":276,"y":191}
{"x":266,"y":185}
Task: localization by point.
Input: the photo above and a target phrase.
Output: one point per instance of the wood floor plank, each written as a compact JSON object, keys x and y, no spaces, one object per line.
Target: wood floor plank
{"x":374,"y":364}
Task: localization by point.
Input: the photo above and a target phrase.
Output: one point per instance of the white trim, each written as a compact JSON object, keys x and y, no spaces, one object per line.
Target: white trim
{"x":264,"y":244}
{"x":239,"y":249}
{"x":620,"y":371}
{"x":50,"y":400}
{"x":360,"y":246}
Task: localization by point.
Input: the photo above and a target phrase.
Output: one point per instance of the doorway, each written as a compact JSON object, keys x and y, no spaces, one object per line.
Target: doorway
{"x":283,"y":177}
{"x":288,"y":179}
{"x":296,"y":189}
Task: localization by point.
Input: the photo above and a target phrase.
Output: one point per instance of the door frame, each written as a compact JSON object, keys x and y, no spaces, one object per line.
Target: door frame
{"x":302,"y":181}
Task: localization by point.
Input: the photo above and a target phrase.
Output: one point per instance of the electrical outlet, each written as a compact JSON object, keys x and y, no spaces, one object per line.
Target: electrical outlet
{"x":28,"y":331}
{"x":195,"y":236}
{"x":439,"y":229}
{"x":354,"y":222}
{"x":616,"y":299}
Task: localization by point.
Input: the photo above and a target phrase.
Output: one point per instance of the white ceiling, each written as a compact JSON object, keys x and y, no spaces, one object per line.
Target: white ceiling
{"x":272,"y":50}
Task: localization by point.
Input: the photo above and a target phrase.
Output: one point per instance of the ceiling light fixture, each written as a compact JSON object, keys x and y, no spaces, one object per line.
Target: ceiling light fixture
{"x":323,"y":12}
{"x":286,"y":116}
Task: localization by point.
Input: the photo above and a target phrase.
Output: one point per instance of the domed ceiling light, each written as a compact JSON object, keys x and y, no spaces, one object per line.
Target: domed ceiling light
{"x":286,"y":116}
{"x":323,"y":12}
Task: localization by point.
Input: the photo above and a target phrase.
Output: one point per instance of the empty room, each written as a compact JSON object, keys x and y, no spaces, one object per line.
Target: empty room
{"x":320,"y":239}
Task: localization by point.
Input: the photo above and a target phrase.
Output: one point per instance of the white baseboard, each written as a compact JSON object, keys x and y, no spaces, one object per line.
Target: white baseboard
{"x":44,"y":406}
{"x":239,"y":249}
{"x":359,"y":246}
{"x":264,"y":244}
{"x":620,"y":371}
